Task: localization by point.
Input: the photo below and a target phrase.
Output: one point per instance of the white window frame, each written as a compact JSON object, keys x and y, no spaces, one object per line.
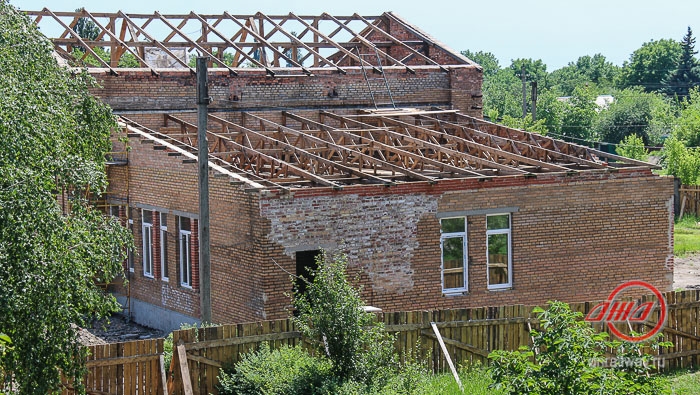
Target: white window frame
{"x":163,"y":248}
{"x":510,"y":252}
{"x":147,"y":243}
{"x":465,"y":266}
{"x":185,"y":247}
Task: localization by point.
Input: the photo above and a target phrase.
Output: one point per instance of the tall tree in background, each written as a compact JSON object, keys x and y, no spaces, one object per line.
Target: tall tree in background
{"x":54,"y":137}
{"x":650,"y":65}
{"x":687,"y":73}
{"x":86,"y":29}
{"x":487,"y":60}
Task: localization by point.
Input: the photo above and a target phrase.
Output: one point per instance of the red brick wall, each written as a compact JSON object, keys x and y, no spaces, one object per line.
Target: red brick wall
{"x":573,"y":238}
{"x":175,"y":90}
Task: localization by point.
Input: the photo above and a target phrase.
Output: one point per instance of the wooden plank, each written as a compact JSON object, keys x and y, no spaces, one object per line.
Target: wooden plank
{"x":457,"y":344}
{"x":163,"y":376}
{"x":243,"y":340}
{"x":121,"y":360}
{"x":205,"y":361}
{"x":447,"y":355}
{"x":184,"y":370}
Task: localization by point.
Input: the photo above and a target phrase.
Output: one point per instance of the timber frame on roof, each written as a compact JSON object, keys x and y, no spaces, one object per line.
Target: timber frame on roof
{"x":272,"y":42}
{"x":387,"y":147}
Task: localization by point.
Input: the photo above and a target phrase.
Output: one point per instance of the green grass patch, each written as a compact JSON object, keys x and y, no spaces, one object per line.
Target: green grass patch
{"x":686,"y":235}
{"x":685,"y":383}
{"x":476,"y":381}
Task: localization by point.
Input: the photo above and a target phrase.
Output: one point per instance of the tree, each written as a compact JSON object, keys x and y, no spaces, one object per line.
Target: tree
{"x":86,"y":29}
{"x":55,"y":137}
{"x":487,"y":60}
{"x":634,"y":111}
{"x":687,"y":73}
{"x":330,"y":312}
{"x":577,"y":117}
{"x":569,"y":359}
{"x":687,"y":127}
{"x":632,"y":147}
{"x":650,"y":65}
{"x":681,"y":161}
{"x":594,"y":71}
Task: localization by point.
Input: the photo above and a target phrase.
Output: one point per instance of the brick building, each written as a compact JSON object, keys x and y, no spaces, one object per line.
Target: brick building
{"x":358,"y":134}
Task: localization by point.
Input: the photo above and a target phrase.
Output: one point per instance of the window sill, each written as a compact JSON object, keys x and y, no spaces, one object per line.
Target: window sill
{"x":449,"y":294}
{"x":148,"y":275}
{"x":165,"y":279}
{"x":501,"y":288}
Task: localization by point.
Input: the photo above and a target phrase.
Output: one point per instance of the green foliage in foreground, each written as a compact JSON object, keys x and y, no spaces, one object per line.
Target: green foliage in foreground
{"x":632,"y":147}
{"x":568,"y":358}
{"x":686,"y":235}
{"x":54,"y":138}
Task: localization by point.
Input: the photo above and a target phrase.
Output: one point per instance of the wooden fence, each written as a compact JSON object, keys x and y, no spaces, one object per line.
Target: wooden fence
{"x":129,"y":368}
{"x":689,"y":198}
{"x":469,"y":334}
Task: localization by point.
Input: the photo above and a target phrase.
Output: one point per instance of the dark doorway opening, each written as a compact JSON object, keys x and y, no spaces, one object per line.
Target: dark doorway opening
{"x":306,"y":265}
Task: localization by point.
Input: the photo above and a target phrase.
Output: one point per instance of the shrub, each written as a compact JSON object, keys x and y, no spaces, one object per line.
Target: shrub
{"x":632,"y":147}
{"x":681,"y":162}
{"x":285,"y":371}
{"x":566,"y":364}
{"x":331,"y":314}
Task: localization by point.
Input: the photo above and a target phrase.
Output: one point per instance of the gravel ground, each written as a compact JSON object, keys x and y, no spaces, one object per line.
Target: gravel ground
{"x":117,"y":329}
{"x":686,"y":272}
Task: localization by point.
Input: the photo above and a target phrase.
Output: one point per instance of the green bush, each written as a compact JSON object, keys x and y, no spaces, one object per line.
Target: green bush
{"x":632,"y":147}
{"x":568,"y":362}
{"x":681,"y":161}
{"x":285,"y":371}
{"x":331,"y":315}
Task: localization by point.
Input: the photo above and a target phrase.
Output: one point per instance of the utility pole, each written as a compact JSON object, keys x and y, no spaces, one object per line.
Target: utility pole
{"x":203,"y":101}
{"x":522,"y":77}
{"x":533,"y":88}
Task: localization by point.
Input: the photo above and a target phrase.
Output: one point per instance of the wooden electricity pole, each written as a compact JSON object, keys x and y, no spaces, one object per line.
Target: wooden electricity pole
{"x":203,"y":101}
{"x":522,"y":77}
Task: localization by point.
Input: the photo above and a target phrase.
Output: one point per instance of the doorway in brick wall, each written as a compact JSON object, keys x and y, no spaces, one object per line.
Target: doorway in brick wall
{"x":306,"y":265}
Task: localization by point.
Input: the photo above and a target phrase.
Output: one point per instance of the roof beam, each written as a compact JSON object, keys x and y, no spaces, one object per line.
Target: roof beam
{"x":402,"y":170}
{"x":468,"y":157}
{"x":251,"y":152}
{"x":194,"y":44}
{"x":444,"y":167}
{"x":75,"y":35}
{"x":154,"y":41}
{"x":300,"y":151}
{"x":262,"y":40}
{"x":368,"y":43}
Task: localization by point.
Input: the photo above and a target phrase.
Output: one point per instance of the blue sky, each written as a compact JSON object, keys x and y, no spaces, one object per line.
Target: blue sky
{"x":556,"y":31}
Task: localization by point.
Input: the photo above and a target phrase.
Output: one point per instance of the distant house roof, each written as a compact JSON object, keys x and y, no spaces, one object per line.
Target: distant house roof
{"x":265,"y":41}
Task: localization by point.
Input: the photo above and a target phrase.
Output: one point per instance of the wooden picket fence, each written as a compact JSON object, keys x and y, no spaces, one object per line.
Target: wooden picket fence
{"x":690,"y":199}
{"x":136,"y":368}
{"x":469,"y":334}
{"x":129,"y":368}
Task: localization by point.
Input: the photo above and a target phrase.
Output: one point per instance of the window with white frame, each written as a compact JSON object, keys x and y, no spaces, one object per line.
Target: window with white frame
{"x":164,"y":246}
{"x":499,"y":254}
{"x":453,"y":245}
{"x":147,"y":237}
{"x":185,"y":251}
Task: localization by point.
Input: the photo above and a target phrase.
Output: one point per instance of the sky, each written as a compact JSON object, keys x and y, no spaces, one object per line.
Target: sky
{"x":556,"y":31}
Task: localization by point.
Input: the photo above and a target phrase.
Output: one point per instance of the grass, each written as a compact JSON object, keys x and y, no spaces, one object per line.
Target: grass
{"x":684,"y":383}
{"x":686,"y":235}
{"x":476,"y":381}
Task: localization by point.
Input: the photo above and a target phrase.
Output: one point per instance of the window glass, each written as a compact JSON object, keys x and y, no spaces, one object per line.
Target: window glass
{"x":494,"y":222}
{"x":452,"y":225}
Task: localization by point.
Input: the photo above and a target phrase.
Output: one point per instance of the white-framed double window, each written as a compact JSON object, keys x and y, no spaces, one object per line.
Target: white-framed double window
{"x":185,"y":251}
{"x":147,"y":237}
{"x":130,"y":252}
{"x":164,"y":246}
{"x":453,"y":247}
{"x":498,"y":251}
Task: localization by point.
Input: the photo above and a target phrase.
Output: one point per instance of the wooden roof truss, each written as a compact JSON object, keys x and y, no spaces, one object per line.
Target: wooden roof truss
{"x":296,"y":150}
{"x":271,"y":42}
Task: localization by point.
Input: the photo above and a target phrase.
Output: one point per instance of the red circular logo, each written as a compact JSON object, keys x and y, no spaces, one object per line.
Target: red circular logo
{"x":613,"y":311}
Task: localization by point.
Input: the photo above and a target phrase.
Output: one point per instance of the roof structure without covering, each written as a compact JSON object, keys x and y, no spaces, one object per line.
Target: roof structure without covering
{"x":327,"y":149}
{"x":272,"y":42}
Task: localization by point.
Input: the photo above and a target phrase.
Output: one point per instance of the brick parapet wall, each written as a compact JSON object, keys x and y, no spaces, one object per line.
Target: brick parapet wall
{"x":139,"y":90}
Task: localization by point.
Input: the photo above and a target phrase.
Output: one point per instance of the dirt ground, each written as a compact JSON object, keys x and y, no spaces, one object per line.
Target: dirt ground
{"x":116,"y":329}
{"x":686,"y":272}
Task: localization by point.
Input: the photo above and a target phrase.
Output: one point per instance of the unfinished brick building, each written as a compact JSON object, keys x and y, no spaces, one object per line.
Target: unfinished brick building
{"x":358,"y":134}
